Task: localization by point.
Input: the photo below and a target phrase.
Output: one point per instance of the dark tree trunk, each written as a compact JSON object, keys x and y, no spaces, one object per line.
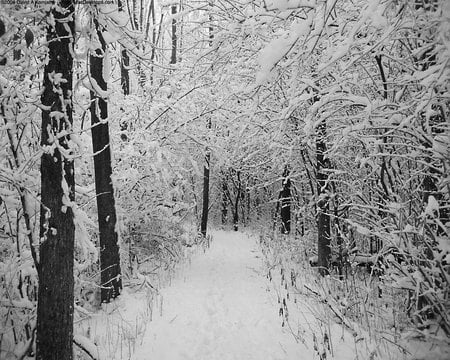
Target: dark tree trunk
{"x":173,"y":57}
{"x":243,"y":218}
{"x":206,"y":168}
{"x":205,"y":208}
{"x":224,"y":201}
{"x":339,"y":229}
{"x":124,"y":63}
{"x":109,"y":249}
{"x":236,"y":219}
{"x":248,"y":196}
{"x":236,"y":204}
{"x":376,"y":243}
{"x":57,"y":231}
{"x":154,"y":38}
{"x":124,"y":75}
{"x":17,"y":53}
{"x":285,"y":199}
{"x":204,"y":223}
{"x":323,"y":217}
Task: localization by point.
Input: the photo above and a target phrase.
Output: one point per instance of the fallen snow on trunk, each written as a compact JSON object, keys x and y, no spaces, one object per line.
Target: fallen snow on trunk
{"x":221,"y":308}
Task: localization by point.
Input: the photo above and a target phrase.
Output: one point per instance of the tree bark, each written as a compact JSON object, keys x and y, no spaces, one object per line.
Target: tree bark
{"x":154,"y":38}
{"x":205,"y":208}
{"x":236,"y":204}
{"x":285,"y":199}
{"x":323,"y":217}
{"x":224,"y":201}
{"x":173,"y":57}
{"x":124,"y":75}
{"x":248,"y":197}
{"x":206,"y":168}
{"x":109,"y":250}
{"x":124,"y":63}
{"x":57,"y":231}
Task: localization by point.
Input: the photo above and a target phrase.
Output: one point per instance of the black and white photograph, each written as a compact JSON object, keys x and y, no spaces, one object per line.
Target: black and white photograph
{"x":224,"y":180}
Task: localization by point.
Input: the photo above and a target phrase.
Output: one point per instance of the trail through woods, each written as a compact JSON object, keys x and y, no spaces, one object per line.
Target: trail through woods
{"x":220,"y":308}
{"x":223,"y":307}
{"x":231,"y":302}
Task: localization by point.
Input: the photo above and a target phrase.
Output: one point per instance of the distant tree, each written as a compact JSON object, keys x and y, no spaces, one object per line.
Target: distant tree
{"x":205,"y":208}
{"x":173,"y":54}
{"x":206,"y":171}
{"x":285,"y":200}
{"x":224,"y":210}
{"x":142,"y":15}
{"x":323,"y":216}
{"x":238,"y":186}
{"x":206,"y":167}
{"x":124,"y":63}
{"x":57,"y":231}
{"x":283,"y":208}
{"x":111,"y":283}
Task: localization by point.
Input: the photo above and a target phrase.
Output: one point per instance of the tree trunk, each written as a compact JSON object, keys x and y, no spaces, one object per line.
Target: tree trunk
{"x":57,"y":231}
{"x":124,"y":75}
{"x":224,"y":201}
{"x":154,"y":39}
{"x":124,"y":63}
{"x":323,"y":217}
{"x":243,"y":218}
{"x":205,"y":208}
{"x":248,"y":197}
{"x":285,"y":198}
{"x":173,"y":57}
{"x":236,"y":204}
{"x":376,"y":243}
{"x":109,"y":249}
{"x":204,"y":223}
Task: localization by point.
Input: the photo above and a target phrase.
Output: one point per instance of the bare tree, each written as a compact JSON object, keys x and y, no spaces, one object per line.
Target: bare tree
{"x":205,"y":208}
{"x":206,"y":168}
{"x":285,"y":200}
{"x":57,"y":231}
{"x":124,"y":63}
{"x":173,"y":56}
{"x":323,"y":216}
{"x":109,"y":250}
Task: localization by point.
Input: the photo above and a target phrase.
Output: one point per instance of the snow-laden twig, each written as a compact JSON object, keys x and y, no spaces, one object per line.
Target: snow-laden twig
{"x":333,"y":308}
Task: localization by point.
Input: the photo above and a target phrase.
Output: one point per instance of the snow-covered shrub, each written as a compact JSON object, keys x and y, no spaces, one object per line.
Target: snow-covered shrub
{"x":21,"y":62}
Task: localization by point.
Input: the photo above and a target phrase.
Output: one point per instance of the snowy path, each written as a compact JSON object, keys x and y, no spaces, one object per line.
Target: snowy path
{"x":220,"y":308}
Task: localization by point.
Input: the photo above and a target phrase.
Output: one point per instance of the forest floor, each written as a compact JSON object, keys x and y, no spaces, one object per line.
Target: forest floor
{"x":236,"y":300}
{"x":224,"y":306}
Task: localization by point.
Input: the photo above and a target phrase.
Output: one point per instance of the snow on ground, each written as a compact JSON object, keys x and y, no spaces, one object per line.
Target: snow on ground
{"x":114,"y":332}
{"x":223,"y":307}
{"x":220,"y":309}
{"x":232,"y":302}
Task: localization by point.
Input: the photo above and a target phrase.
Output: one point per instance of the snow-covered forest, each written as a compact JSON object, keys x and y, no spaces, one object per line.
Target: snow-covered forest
{"x":216,"y":179}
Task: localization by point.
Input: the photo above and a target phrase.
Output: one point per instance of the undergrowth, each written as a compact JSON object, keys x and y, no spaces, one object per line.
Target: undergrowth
{"x":149,"y":258}
{"x":369,"y":309}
